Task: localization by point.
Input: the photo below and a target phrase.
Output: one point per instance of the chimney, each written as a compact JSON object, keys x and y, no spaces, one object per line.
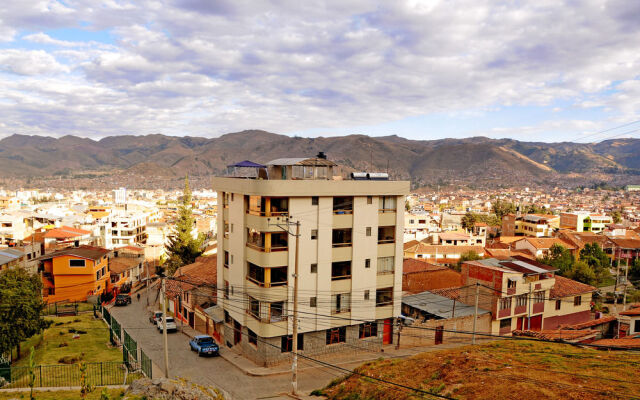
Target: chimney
{"x":321,"y":155}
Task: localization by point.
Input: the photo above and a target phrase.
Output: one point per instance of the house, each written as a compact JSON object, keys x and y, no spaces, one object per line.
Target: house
{"x":440,"y":254}
{"x":74,"y":273}
{"x":13,"y":228}
{"x":632,"y":316}
{"x":349,"y":258}
{"x":419,"y":276}
{"x":65,"y":236}
{"x":535,"y":225}
{"x":443,"y":319}
{"x":540,"y":247}
{"x":523,"y":294}
{"x":195,"y":296}
{"x":580,"y":239}
{"x":11,"y":258}
{"x":582,"y":221}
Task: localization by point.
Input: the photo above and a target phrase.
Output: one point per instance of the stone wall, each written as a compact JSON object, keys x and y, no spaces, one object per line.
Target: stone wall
{"x":422,"y":333}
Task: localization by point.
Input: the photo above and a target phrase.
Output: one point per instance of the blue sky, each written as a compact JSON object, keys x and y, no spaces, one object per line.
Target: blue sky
{"x":536,"y":71}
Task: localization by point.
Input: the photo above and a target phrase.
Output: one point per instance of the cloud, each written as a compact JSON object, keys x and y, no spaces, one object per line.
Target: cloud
{"x":205,"y":68}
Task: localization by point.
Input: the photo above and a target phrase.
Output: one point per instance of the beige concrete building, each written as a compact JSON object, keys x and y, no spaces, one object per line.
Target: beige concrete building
{"x":350,"y":259}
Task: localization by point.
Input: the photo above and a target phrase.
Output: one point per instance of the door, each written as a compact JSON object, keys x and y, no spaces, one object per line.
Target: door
{"x":387,"y":331}
{"x":520,"y":325}
{"x":192,"y":322}
{"x":439,"y":334}
{"x":536,"y":323}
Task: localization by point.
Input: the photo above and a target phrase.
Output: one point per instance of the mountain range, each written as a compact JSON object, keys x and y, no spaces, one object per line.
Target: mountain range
{"x":470,"y":161}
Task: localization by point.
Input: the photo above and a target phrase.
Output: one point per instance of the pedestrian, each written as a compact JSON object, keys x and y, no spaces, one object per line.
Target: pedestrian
{"x":138,"y":296}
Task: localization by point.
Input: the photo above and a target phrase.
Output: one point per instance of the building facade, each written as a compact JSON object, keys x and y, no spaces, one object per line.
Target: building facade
{"x":349,"y":259}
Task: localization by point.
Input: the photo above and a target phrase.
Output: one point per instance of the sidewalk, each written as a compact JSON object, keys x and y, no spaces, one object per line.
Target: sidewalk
{"x":249,"y":368}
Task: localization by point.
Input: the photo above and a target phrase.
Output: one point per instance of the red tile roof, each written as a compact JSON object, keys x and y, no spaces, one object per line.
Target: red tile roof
{"x":452,"y":293}
{"x":88,"y":252}
{"x":632,"y":312}
{"x":410,"y":265}
{"x":567,"y":287}
{"x":558,"y":334}
{"x":592,"y":323}
{"x":623,"y":343}
{"x":65,"y":232}
{"x":546,"y":243}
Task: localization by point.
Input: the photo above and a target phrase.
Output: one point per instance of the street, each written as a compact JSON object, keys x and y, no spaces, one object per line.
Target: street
{"x":214,"y":371}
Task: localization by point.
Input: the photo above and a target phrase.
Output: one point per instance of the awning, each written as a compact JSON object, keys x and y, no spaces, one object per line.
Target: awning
{"x":215,"y":313}
{"x":513,"y":279}
{"x":246,"y":164}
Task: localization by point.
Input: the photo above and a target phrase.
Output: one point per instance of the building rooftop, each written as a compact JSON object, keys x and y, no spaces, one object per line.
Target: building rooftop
{"x":440,"y":306}
{"x":568,"y":287}
{"x":7,"y":255}
{"x":88,"y":252}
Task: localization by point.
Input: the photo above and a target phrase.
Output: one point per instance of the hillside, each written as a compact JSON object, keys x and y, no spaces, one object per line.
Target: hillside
{"x":477,"y":160}
{"x":504,"y":369}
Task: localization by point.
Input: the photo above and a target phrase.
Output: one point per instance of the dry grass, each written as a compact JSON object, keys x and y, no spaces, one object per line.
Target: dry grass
{"x":500,"y":370}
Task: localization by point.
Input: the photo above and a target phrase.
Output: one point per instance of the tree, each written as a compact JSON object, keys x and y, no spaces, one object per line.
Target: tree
{"x":21,"y":307}
{"x":468,"y":256}
{"x":469,"y":220}
{"x":502,"y":208}
{"x":616,"y":217}
{"x":582,"y":272}
{"x":560,"y":258}
{"x":183,"y":249}
{"x":597,"y":259}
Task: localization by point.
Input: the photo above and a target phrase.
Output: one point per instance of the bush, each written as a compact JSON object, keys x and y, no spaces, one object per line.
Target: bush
{"x":72,"y":330}
{"x":63,"y":344}
{"x":80,"y":332}
{"x":69,"y":360}
{"x":59,"y":323}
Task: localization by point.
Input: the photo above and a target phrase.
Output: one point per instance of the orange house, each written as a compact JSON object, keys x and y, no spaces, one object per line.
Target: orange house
{"x":74,"y":273}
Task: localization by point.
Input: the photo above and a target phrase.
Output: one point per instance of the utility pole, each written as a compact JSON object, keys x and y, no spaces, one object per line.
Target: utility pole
{"x":164,"y":327}
{"x":615,"y":287}
{"x":475,"y":314}
{"x":147,"y":285}
{"x":626,"y":283}
{"x":294,"y":366}
{"x":529,"y":316}
{"x":294,"y":350}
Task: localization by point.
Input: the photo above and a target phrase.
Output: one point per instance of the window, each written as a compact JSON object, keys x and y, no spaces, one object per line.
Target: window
{"x":255,"y":274}
{"x":276,"y":311}
{"x":386,"y":234}
{"x":226,"y":229}
{"x":226,"y":289}
{"x":366,"y":294}
{"x":521,"y":300}
{"x":368,"y":231}
{"x":313,"y":302}
{"x":314,"y":234}
{"x":505,"y":323}
{"x":336,"y":335}
{"x":253,"y":337}
{"x":231,"y":196}
{"x":368,"y":329}
{"x":226,"y":259}
{"x":254,"y":307}
{"x":505,"y":303}
{"x":577,"y":300}
{"x":231,"y":228}
{"x":343,"y":205}
{"x":384,"y":297}
{"x":367,"y":263}
{"x":341,"y":270}
{"x":511,"y":284}
{"x":232,"y":259}
{"x":387,"y":204}
{"x":369,"y":199}
{"x":77,"y":263}
{"x":286,"y":343}
{"x":341,"y":237}
{"x":558,"y":304}
{"x":538,"y":297}
{"x":314,"y":200}
{"x":412,"y":221}
{"x":314,"y":268}
{"x":340,"y":303}
{"x":386,"y":265}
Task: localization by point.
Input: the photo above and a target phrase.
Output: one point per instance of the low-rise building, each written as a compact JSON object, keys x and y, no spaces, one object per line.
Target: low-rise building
{"x":582,"y":221}
{"x":540,"y":247}
{"x":419,"y":276}
{"x":534,"y":225}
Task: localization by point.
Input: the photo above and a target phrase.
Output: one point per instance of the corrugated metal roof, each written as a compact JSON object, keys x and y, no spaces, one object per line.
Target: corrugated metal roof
{"x":303,"y":161}
{"x":440,"y":306}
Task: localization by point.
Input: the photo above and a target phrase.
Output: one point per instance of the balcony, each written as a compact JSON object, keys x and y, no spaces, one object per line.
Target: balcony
{"x":342,"y":205}
{"x":386,"y":234}
{"x":341,"y":238}
{"x":340,"y":270}
{"x":520,"y":310}
{"x":267,"y":277}
{"x":504,"y":313}
{"x":267,"y":206}
{"x":386,"y":217}
{"x":267,"y":242}
{"x":537,"y":308}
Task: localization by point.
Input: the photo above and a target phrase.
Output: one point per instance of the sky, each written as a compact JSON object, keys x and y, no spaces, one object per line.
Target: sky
{"x":528,"y":70}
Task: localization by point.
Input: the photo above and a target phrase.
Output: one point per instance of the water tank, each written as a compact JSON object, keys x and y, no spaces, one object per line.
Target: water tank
{"x":359,"y":176}
{"x":378,"y":176}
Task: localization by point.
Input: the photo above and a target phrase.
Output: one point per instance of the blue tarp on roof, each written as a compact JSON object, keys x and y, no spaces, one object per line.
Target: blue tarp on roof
{"x":247,"y":164}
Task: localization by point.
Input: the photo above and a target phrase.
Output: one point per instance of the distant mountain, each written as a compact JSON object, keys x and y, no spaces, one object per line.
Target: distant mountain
{"x":471,"y":161}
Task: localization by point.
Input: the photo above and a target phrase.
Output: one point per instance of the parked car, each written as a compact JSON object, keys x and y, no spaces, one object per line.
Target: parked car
{"x":155,"y":317}
{"x":123,"y":299}
{"x":171,"y":324}
{"x":205,"y":345}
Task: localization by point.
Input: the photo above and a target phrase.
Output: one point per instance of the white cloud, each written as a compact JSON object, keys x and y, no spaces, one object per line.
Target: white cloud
{"x":201,"y":67}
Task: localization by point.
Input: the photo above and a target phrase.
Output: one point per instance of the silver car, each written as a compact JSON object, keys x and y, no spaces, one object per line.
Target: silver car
{"x":171,"y":324}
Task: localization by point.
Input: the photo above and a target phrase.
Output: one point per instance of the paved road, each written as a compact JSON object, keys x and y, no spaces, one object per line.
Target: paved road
{"x":210,"y":371}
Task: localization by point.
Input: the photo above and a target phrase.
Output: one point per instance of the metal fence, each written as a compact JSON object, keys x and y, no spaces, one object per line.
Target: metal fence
{"x":97,"y":374}
{"x":145,"y":364}
{"x":116,"y":330}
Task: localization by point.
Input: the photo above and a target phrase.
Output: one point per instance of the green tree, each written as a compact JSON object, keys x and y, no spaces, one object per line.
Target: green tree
{"x":502,"y":208}
{"x":616,"y":217}
{"x":468,"y":220}
{"x":582,"y":272}
{"x":183,"y":249}
{"x":21,"y":308}
{"x":560,"y":258}
{"x":468,"y":256}
{"x":597,"y":259}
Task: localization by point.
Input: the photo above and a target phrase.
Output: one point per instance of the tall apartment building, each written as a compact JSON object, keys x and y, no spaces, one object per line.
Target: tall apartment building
{"x":349,"y":259}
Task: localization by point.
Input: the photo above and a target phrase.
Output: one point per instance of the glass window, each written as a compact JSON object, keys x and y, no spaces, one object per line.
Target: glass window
{"x":314,"y":234}
{"x":77,"y":263}
{"x":367,"y":263}
{"x":386,"y":265}
{"x":314,"y":268}
{"x":384,"y":297}
{"x":368,"y":329}
{"x":313,"y":302}
{"x":297,"y":172}
{"x":314,"y":201}
{"x":340,"y":303}
{"x":336,"y":335}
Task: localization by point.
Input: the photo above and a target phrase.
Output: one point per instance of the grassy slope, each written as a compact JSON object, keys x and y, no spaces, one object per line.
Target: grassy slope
{"x":61,"y":395}
{"x":93,"y":346}
{"x":500,"y":370}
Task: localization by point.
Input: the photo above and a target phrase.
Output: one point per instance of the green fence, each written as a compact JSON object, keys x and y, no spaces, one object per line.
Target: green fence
{"x":145,"y":364}
{"x":97,"y":374}
{"x":129,"y":349}
{"x":116,"y":331}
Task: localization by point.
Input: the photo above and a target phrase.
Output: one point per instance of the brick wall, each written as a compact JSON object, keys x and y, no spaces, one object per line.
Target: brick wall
{"x":568,"y":319}
{"x":417,"y":282}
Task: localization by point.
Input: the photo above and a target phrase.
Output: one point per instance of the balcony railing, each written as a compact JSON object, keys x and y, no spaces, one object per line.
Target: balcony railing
{"x":383,"y":241}
{"x":347,"y":244}
{"x":340,"y":277}
{"x":265,"y":284}
{"x":343,"y":211}
{"x":269,"y":319}
{"x":386,"y":210}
